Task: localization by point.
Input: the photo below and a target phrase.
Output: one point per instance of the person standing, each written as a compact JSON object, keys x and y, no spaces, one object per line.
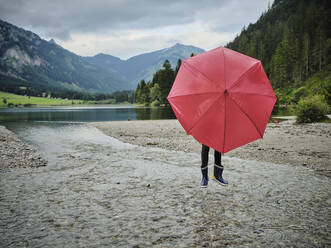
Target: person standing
{"x":218,"y":167}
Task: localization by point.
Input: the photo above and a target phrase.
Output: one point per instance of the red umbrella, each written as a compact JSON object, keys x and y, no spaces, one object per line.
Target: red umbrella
{"x":222,"y":98}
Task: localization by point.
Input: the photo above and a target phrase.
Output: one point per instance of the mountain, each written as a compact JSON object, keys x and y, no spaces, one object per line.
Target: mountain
{"x":27,"y":61}
{"x":293,"y":41}
{"x":33,"y":61}
{"x":143,"y":66}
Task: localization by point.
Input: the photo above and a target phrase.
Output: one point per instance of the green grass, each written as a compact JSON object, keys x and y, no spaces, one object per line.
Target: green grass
{"x":20,"y":101}
{"x":23,"y":101}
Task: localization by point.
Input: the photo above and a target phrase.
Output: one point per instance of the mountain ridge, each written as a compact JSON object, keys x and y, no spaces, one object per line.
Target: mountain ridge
{"x":143,"y":66}
{"x":30,"y":61}
{"x":24,"y":55}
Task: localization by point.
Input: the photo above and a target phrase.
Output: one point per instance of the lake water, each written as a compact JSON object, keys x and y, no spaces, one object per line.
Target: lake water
{"x":68,"y":114}
{"x":84,"y":114}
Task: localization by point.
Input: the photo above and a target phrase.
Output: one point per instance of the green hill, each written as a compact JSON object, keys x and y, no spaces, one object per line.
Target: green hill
{"x":293,"y":41}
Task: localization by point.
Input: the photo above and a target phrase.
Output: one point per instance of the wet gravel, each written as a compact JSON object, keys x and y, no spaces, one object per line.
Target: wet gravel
{"x":99,"y":192}
{"x":16,"y":153}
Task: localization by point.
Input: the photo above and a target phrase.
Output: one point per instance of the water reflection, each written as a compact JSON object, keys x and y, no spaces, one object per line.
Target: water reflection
{"x":154,"y":113}
{"x":85,"y":114}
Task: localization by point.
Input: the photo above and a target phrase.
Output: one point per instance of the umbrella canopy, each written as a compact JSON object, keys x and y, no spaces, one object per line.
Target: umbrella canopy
{"x":222,"y":98}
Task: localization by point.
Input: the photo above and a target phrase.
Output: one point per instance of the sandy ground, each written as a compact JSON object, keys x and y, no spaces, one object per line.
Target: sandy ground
{"x":285,"y":143}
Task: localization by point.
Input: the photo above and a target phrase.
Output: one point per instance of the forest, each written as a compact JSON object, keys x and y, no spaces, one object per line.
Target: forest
{"x":292,"y":40}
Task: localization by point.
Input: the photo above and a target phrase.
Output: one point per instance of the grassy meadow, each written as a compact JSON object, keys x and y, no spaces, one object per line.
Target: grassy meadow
{"x":13,"y":100}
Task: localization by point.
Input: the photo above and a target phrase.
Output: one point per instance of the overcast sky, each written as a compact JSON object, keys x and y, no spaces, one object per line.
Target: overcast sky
{"x":125,"y":28}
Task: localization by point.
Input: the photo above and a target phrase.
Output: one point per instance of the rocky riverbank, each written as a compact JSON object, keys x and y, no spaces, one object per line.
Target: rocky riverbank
{"x":16,"y":153}
{"x":284,"y":143}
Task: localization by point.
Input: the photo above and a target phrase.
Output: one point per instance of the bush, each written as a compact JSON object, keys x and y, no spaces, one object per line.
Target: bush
{"x":155,"y":103}
{"x":299,"y":93}
{"x":312,"y":109}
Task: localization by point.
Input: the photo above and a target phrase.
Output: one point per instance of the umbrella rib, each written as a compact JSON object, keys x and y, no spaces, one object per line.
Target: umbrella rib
{"x":224,"y":122}
{"x":244,"y":74}
{"x":224,"y":77}
{"x":255,"y":94}
{"x":225,"y":83}
{"x":201,"y":117}
{"x":192,"y":94}
{"x":191,"y":67}
{"x":247,"y":117}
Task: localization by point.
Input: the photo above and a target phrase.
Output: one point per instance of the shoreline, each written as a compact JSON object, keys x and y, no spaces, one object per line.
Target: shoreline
{"x":284,"y":143}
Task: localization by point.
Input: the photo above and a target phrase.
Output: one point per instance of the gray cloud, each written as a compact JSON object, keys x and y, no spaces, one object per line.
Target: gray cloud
{"x":61,"y":19}
{"x":100,"y":15}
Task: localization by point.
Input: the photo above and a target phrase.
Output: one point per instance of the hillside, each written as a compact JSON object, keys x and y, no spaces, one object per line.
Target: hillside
{"x":143,"y":66}
{"x":28,"y":60}
{"x":293,"y":41}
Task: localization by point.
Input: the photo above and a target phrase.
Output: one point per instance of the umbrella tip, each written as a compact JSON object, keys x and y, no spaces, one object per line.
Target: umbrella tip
{"x":225,"y":91}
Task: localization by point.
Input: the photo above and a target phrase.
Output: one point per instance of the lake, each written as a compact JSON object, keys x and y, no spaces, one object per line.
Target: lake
{"x":84,"y":114}
{"x":69,"y":114}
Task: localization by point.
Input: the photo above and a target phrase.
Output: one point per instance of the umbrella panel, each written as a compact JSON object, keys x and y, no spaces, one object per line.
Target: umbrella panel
{"x":192,"y":107}
{"x":209,"y":130}
{"x":255,"y":81}
{"x":239,"y":129}
{"x":236,"y":65}
{"x":257,"y":108}
{"x":190,"y":81}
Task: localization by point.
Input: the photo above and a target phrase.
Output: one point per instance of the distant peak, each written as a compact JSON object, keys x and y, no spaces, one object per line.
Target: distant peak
{"x":52,"y":41}
{"x":102,"y":55}
{"x":105,"y":56}
{"x":183,"y":46}
{"x":178,"y":44}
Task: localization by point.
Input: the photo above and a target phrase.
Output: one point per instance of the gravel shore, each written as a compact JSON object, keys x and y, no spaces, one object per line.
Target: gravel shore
{"x":16,"y":153}
{"x":97,"y":191}
{"x":284,"y":143}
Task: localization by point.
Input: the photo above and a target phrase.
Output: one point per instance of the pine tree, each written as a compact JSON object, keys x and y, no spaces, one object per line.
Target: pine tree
{"x":306,"y":54}
{"x":179,"y":63}
{"x":165,"y":81}
{"x":282,"y":61}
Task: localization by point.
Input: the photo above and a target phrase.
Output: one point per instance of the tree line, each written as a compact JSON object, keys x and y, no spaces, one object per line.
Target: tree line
{"x":155,"y":92}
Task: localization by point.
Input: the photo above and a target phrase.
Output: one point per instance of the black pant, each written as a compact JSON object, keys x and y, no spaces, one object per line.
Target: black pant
{"x":204,"y":156}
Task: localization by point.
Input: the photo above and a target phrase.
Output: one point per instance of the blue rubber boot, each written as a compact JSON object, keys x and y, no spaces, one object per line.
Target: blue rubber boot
{"x":218,"y":171}
{"x":204,"y":181}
